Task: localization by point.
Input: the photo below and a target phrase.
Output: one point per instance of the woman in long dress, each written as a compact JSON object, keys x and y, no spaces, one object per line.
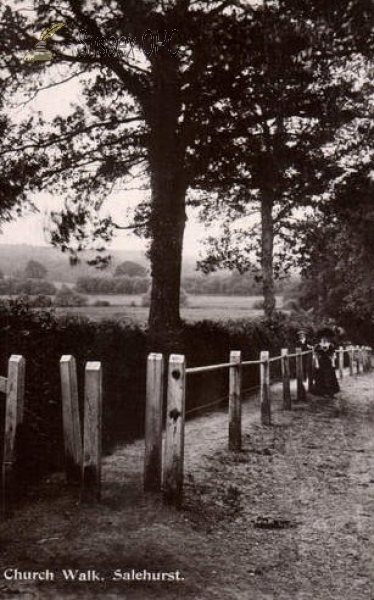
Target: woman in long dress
{"x":325,"y":381}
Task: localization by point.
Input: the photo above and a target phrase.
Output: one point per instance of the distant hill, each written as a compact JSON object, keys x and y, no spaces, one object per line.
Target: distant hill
{"x":14,"y":257}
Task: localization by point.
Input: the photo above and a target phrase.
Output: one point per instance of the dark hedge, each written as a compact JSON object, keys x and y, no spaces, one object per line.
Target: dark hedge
{"x":42,"y":339}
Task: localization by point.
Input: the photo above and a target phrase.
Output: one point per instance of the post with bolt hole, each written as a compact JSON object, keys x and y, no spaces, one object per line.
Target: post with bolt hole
{"x":285,"y":365}
{"x":265,"y":388}
{"x":153,"y":423}
{"x":341,"y":361}
{"x":172,"y":484}
{"x":235,"y":402}
{"x":91,"y":488}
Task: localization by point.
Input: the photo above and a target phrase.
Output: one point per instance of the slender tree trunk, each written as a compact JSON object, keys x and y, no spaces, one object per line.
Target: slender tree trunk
{"x":267,"y":248}
{"x":168,"y":217}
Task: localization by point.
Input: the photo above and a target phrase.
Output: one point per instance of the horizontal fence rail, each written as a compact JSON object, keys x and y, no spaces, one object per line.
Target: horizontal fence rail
{"x":208,"y":368}
{"x":165,"y":469}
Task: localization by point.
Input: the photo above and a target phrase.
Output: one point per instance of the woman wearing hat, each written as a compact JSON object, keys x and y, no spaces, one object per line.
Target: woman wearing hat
{"x":326,"y":383}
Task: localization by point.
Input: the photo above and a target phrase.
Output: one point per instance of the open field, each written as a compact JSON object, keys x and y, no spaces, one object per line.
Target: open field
{"x":128,"y":308}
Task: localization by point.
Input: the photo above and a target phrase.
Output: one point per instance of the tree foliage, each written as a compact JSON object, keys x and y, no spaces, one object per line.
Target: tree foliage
{"x":338,"y":254}
{"x":35,"y":270}
{"x":68,"y":297}
{"x":130,"y":268}
{"x":112,"y":285}
{"x":169,"y":115}
{"x":300,"y":98}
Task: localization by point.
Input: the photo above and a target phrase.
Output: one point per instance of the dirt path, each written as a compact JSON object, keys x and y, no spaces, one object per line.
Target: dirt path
{"x":288,"y":518}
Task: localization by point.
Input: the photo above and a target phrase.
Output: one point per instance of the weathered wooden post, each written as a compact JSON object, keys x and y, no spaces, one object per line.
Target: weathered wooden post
{"x":235,"y":402}
{"x":14,"y":408}
{"x":351,"y":359}
{"x":300,"y":390}
{"x":71,"y":420}
{"x":310,"y":369}
{"x":172,"y":484}
{"x":285,"y":366}
{"x":370,"y":358}
{"x":153,"y":423}
{"x":341,"y":361}
{"x":361,"y":359}
{"x":357,"y":357}
{"x":366,"y":359}
{"x":265,"y":388}
{"x":91,"y":485}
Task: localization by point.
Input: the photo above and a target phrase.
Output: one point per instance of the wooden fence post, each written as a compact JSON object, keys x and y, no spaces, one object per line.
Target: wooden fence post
{"x":265,"y":388}
{"x":172,"y":484}
{"x":285,"y":366}
{"x":310,"y":370}
{"x":370,"y":359}
{"x":235,"y":402}
{"x":71,"y":420}
{"x":341,"y":361}
{"x":14,"y":408}
{"x":91,"y":485}
{"x":153,"y":423}
{"x":351,"y":359}
{"x":357,"y":357}
{"x":361,"y":359}
{"x":300,"y":390}
{"x":366,"y":359}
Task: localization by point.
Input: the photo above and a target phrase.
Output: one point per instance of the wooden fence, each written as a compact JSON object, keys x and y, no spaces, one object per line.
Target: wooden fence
{"x":164,"y":471}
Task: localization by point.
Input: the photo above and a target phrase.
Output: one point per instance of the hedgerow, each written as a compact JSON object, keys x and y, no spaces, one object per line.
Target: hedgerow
{"x":122,"y":348}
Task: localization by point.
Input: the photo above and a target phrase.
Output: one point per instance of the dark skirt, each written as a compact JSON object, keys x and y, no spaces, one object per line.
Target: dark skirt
{"x":325,"y":381}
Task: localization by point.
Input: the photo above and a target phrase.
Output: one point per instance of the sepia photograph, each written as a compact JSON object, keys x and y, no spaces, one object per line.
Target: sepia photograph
{"x":186,"y":299}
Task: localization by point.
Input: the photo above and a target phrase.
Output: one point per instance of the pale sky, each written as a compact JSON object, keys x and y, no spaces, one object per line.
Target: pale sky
{"x":30,"y":229}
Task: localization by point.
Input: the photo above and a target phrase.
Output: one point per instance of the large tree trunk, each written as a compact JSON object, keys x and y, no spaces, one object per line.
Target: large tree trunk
{"x":168,"y":217}
{"x":267,"y":248}
{"x":168,"y":222}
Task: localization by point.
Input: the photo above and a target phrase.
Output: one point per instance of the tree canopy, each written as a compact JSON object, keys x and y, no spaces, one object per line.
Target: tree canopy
{"x":130,"y":268}
{"x":293,"y":103}
{"x":35,"y":270}
{"x":167,"y":112}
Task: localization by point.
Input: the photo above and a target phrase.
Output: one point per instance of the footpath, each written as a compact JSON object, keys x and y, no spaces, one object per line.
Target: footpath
{"x":291,"y":517}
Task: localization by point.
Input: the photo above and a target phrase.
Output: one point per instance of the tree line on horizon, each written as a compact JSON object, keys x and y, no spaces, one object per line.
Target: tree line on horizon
{"x":130,"y":277}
